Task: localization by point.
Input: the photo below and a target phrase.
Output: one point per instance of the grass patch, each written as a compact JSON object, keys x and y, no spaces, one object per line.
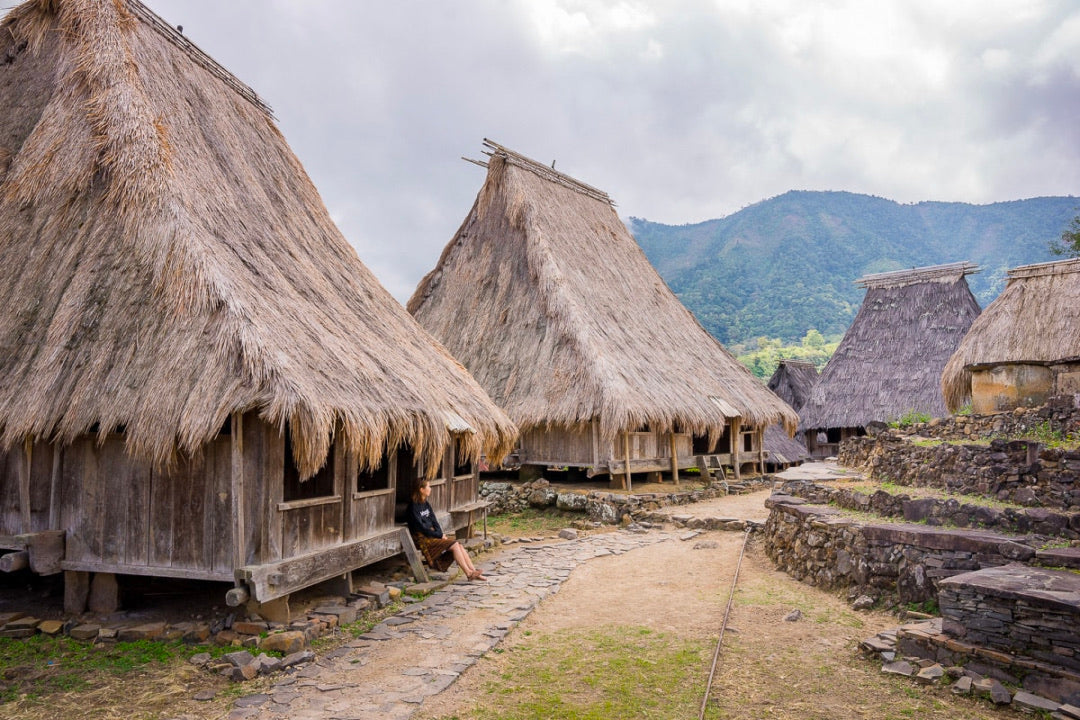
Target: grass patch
{"x":37,"y":667}
{"x":597,"y":673}
{"x":529,"y":521}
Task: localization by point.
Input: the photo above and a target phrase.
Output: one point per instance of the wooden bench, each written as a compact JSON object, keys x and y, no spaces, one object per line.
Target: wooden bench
{"x":473,"y":507}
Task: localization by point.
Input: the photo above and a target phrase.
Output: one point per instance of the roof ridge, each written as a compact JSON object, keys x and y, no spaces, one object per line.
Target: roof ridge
{"x":547,"y":173}
{"x":900,"y":278}
{"x":181,"y":42}
{"x":1054,"y":267}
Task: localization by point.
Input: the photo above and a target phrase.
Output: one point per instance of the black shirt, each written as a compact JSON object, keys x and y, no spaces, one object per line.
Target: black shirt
{"x":422,"y":520}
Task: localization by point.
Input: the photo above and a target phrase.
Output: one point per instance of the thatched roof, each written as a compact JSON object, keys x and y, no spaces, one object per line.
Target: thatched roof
{"x":1035,"y":320}
{"x":792,"y":381}
{"x":782,"y":449}
{"x":547,"y":299}
{"x":890,"y":359}
{"x":165,"y":261}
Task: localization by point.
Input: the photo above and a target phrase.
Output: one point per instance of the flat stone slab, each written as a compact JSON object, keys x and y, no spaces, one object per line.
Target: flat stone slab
{"x":1062,"y":557}
{"x":1054,"y":589}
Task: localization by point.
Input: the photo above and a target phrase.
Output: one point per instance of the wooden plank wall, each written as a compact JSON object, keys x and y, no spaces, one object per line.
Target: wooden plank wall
{"x":558,"y":446}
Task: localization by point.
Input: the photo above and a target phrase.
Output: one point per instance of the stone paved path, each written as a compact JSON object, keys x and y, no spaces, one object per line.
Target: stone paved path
{"x":387,"y":673}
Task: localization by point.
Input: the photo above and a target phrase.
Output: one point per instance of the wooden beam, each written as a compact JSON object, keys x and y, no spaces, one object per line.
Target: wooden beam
{"x":24,"y":484}
{"x":54,"y":488}
{"x":674,"y":459}
{"x":14,"y":561}
{"x":759,"y":435}
{"x":407,"y":545}
{"x":236,"y":488}
{"x":736,"y":441}
{"x":626,"y":448}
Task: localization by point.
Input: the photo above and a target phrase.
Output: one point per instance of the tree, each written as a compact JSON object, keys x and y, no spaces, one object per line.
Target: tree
{"x":1070,"y":241}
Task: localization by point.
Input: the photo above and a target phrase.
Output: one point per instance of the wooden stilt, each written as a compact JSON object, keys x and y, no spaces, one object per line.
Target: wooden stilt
{"x":674,"y":460}
{"x":236,"y":487}
{"x":626,"y":448}
{"x":24,"y":484}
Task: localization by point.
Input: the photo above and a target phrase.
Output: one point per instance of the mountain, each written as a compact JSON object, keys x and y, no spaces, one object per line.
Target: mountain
{"x":784,"y":265}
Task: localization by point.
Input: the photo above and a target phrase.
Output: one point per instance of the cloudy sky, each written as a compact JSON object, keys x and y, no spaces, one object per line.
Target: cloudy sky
{"x":682,"y":110}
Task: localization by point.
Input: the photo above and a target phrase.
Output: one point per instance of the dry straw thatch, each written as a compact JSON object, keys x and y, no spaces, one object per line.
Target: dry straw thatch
{"x":890,"y":359}
{"x":547,"y":299}
{"x":1035,"y":320}
{"x":165,"y":261}
{"x":792,"y":381}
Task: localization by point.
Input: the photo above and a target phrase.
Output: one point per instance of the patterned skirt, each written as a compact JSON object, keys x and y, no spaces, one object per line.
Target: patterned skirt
{"x":436,"y":550}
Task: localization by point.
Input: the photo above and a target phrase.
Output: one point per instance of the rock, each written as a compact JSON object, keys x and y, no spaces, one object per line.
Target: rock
{"x":252,"y":700}
{"x":287,"y":642}
{"x":265,"y":664}
{"x":246,"y":627}
{"x":147,"y":631}
{"x":376,"y":592}
{"x":240,"y":674}
{"x":296,"y":658}
{"x":88,"y":631}
{"x":999,"y":694}
{"x":343,"y":613}
{"x":899,"y":667}
{"x":200,"y":659}
{"x":568,"y":534}
{"x":1029,"y":701}
{"x":204,"y":695}
{"x":50,"y":627}
{"x":930,"y":675}
{"x":574,"y":502}
{"x":237,"y":659}
{"x":962,"y":686}
{"x":863,"y":602}
{"x":706,"y":545}
{"x":793,"y":616}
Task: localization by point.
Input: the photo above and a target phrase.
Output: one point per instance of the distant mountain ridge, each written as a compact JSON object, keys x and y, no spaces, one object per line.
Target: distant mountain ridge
{"x":787,"y":264}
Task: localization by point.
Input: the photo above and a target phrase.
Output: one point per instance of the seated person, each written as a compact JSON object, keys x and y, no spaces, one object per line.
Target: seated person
{"x":440,"y":550}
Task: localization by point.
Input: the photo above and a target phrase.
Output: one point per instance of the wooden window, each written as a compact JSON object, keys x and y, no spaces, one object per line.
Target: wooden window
{"x":748,"y":442}
{"x":461,"y":465}
{"x":374,"y":479}
{"x":320,"y":485}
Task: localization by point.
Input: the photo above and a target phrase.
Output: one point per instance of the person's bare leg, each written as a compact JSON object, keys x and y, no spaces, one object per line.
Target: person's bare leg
{"x":461,"y":555}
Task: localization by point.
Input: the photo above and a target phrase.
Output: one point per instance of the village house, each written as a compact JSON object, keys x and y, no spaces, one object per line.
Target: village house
{"x":888,"y":364}
{"x":546,"y":298}
{"x":1024,"y":348}
{"x":198,"y":377}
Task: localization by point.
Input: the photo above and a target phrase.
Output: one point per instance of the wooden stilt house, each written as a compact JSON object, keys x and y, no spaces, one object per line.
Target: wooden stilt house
{"x":198,"y":377}
{"x":546,"y":298}
{"x":1024,"y":348}
{"x":889,"y":362}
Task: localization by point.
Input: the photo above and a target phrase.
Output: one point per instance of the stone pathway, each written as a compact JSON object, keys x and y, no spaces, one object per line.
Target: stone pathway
{"x":387,"y":673}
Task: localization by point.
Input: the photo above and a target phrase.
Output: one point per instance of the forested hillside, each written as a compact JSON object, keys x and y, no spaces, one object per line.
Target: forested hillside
{"x":788,"y":264}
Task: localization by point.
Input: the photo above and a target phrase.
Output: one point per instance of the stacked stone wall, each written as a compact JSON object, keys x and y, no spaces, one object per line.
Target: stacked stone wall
{"x":1025,"y":472}
{"x":896,"y":563}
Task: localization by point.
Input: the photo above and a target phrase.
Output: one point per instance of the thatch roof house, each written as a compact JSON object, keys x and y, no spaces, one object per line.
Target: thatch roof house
{"x":546,"y":298}
{"x":1025,"y":347}
{"x":791,"y":381}
{"x":198,"y":376}
{"x":890,"y":359}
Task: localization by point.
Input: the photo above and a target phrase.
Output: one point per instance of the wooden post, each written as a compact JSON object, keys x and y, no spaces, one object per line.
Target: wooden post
{"x":626,"y":448}
{"x":24,"y":484}
{"x":674,"y":460}
{"x":759,"y":435}
{"x":239,"y":554}
{"x":736,"y":441}
{"x":54,"y":489}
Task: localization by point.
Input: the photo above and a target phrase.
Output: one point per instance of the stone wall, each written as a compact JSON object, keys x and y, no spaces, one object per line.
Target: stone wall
{"x":602,"y":506}
{"x":897,"y":563}
{"x":1050,"y":524}
{"x":1019,"y":471}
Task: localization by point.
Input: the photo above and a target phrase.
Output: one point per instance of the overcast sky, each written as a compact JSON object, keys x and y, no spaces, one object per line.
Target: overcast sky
{"x":682,"y":111}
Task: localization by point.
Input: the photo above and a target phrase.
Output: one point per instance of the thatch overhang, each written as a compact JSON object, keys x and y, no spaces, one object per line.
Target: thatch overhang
{"x":546,"y":298}
{"x":890,"y":359}
{"x":165,"y":262}
{"x":792,"y":382}
{"x":1035,"y":321}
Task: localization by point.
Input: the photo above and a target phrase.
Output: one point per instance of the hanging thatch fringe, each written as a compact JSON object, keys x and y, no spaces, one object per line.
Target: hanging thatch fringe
{"x":165,"y":262}
{"x":547,"y":299}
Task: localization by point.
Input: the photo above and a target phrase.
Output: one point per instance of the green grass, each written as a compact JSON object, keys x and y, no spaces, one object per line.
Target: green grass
{"x":910,"y":418}
{"x":41,"y":665}
{"x":598,"y":673}
{"x":529,"y":521}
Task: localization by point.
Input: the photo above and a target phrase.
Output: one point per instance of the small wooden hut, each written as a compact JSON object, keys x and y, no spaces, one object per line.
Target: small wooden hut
{"x":791,"y":381}
{"x":1025,"y":347}
{"x":546,"y":298}
{"x":888,"y":364}
{"x":198,"y":377}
